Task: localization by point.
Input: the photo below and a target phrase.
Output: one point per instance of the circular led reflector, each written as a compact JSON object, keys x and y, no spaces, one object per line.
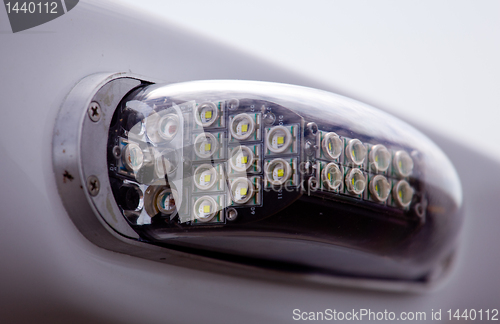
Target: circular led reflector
{"x":242,"y":126}
{"x":402,"y":193}
{"x":355,"y":181}
{"x":168,"y":126}
{"x":241,"y":158}
{"x":355,"y":151}
{"x":166,"y":163}
{"x":205,"y":145}
{"x":165,"y":202}
{"x":379,"y":158}
{"x":206,"y":114}
{"x":278,"y":171}
{"x":132,"y":157}
{"x":205,"y":176}
{"x":242,"y":190}
{"x":332,"y":176}
{"x":379,"y":188}
{"x":278,"y":139}
{"x":403,"y":164}
{"x":205,"y":208}
{"x":332,"y":145}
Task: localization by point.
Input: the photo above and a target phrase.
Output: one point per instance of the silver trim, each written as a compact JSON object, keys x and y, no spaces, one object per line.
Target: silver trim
{"x":76,"y":139}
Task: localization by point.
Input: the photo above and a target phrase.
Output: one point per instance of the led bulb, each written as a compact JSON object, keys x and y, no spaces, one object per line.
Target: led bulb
{"x":355,"y":152}
{"x":402,"y":193}
{"x":133,"y":157}
{"x":241,"y":158}
{"x":168,"y":126}
{"x":242,"y":126}
{"x":355,"y":182}
{"x":205,"y":177}
{"x":206,"y":114}
{"x":379,"y":158}
{"x":403,"y":164}
{"x":332,"y":145}
{"x":205,"y":208}
{"x":165,"y":201}
{"x":278,"y":172}
{"x":332,"y":176}
{"x":166,"y":163}
{"x":279,"y":139}
{"x":380,"y":188}
{"x":242,"y":190}
{"x":205,"y":145}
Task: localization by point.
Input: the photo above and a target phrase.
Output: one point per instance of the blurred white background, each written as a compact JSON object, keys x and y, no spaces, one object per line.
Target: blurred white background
{"x":435,"y":62}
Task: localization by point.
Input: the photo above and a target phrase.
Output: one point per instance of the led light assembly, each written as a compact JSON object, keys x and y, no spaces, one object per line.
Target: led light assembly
{"x":261,"y":174}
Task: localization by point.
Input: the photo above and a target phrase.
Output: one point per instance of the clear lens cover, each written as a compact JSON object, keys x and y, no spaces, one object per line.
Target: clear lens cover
{"x":212,"y":165}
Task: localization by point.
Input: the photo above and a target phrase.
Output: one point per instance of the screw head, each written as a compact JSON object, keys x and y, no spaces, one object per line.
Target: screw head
{"x":117,"y":152}
{"x":94,"y":111}
{"x":93,"y":185}
{"x":233,"y":103}
{"x":232,"y":214}
{"x":269,"y":118}
{"x":311,"y":130}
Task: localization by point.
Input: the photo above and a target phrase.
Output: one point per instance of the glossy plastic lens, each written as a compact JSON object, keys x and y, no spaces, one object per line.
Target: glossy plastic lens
{"x":131,"y":198}
{"x":205,"y":208}
{"x":242,"y":190}
{"x":403,"y":164}
{"x":165,"y":202}
{"x":279,"y":139}
{"x":332,"y":176}
{"x":356,"y":151}
{"x":380,"y":158}
{"x":241,"y":158}
{"x":206,"y":114}
{"x":332,"y":145}
{"x":166,"y":163}
{"x":205,"y":145}
{"x":132,"y":157}
{"x":205,"y":176}
{"x":402,"y":193}
{"x":242,"y":126}
{"x":355,"y":181}
{"x":168,"y":126}
{"x":379,"y":188}
{"x":278,"y":171}
{"x":275,"y":168}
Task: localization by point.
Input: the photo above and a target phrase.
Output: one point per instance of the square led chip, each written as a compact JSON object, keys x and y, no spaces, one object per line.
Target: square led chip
{"x":208,"y":114}
{"x":281,"y":172}
{"x":244,"y":159}
{"x":244,"y":128}
{"x":206,"y":209}
{"x":207,"y":178}
{"x":243,"y":191}
{"x":281,"y":140}
{"x":208,"y":147}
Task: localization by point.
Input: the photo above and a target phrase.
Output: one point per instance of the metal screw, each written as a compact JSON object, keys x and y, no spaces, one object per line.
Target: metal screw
{"x":233,"y":103}
{"x":311,"y":130}
{"x":117,"y":152}
{"x":313,"y":183}
{"x":269,"y":118}
{"x":94,"y":111}
{"x":305,"y":167}
{"x":93,"y":185}
{"x":232,"y":214}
